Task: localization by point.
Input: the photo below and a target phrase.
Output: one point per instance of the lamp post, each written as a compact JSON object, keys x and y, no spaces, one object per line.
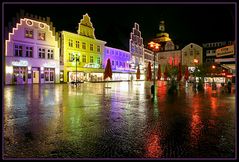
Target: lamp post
{"x":155,"y":48}
{"x":77,"y":60}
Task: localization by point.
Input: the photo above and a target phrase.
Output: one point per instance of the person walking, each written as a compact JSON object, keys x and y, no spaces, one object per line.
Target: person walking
{"x":152,"y":91}
{"x":229,"y":86}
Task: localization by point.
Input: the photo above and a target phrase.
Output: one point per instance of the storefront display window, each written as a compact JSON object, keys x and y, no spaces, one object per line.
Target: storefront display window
{"x":49,"y":74}
{"x":19,"y":75}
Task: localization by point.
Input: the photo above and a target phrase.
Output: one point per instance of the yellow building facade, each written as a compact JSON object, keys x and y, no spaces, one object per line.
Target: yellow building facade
{"x":81,"y":54}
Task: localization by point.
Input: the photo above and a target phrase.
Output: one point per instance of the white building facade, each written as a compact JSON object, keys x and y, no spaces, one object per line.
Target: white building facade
{"x":32,"y":53}
{"x":136,"y":47}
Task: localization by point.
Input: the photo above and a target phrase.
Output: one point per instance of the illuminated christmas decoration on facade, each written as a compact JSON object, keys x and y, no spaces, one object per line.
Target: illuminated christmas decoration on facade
{"x":136,"y":47}
{"x":27,"y":57}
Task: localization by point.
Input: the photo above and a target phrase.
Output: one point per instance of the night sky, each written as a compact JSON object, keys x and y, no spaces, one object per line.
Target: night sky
{"x":185,"y":23}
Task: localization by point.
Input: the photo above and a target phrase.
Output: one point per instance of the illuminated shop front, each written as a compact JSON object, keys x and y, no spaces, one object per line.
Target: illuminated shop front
{"x":31,"y":52}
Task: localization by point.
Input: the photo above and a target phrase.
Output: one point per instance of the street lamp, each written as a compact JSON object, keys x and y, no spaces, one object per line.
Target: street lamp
{"x":76,"y":57}
{"x":155,"y":48}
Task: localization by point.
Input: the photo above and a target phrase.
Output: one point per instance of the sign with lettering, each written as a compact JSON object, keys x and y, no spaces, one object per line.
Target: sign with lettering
{"x":92,"y":65}
{"x":49,"y":64}
{"x":225,"y":51}
{"x":20,"y":63}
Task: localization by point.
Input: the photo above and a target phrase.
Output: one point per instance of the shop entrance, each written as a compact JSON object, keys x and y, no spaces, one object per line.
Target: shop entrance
{"x":35,"y":76}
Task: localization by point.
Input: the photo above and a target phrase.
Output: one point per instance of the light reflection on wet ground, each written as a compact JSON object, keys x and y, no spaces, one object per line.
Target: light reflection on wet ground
{"x":60,"y":120}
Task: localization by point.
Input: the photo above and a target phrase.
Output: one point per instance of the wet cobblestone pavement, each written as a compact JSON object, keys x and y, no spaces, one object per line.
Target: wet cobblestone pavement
{"x":91,"y":121}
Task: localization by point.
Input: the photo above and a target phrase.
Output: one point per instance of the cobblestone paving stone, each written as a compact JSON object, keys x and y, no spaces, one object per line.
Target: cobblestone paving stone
{"x":91,"y":121}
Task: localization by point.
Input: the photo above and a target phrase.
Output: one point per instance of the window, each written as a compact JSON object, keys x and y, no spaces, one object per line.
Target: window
{"x":116,"y":63}
{"x":41,"y":36}
{"x":124,"y":64}
{"x":91,"y":47}
{"x":50,"y":54}
{"x":98,"y":60}
{"x":71,"y":57}
{"x":18,"y":50}
{"x":112,"y":52}
{"x":91,"y":59}
{"x":29,"y":22}
{"x":41,"y":52}
{"x":29,"y":51}
{"x":98,"y":48}
{"x":84,"y":58}
{"x":106,"y":51}
{"x":29,"y":33}
{"x":77,"y":44}
{"x":113,"y":63}
{"x":70,"y":43}
{"x":41,"y":25}
{"x":191,"y":53}
{"x":49,"y":74}
{"x":185,"y":53}
{"x":83,"y":45}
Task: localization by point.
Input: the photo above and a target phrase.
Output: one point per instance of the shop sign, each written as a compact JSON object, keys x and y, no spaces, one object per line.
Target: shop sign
{"x":49,"y":64}
{"x":225,"y":51}
{"x":20,"y":63}
{"x":91,"y":65}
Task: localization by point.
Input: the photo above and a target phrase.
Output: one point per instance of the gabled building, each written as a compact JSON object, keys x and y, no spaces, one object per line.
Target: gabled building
{"x":192,"y":55}
{"x":136,"y":47}
{"x":31,"y":51}
{"x":81,"y":54}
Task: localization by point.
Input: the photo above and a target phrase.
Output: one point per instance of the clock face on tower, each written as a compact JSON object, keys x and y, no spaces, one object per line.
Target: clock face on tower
{"x":161,"y":28}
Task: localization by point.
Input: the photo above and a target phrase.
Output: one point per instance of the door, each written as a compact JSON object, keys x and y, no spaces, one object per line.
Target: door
{"x":35,"y":76}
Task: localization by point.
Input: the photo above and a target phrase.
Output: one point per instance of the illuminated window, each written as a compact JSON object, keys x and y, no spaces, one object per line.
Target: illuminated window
{"x":41,"y":52}
{"x":18,"y":50}
{"x":91,"y":59}
{"x":112,"y":52}
{"x":77,"y":44}
{"x":98,"y":60}
{"x":70,"y":43}
{"x":29,"y":51}
{"x":84,"y":58}
{"x":98,"y":48}
{"x":91,"y":47}
{"x":83,"y":45}
{"x":28,"y":33}
{"x":41,"y":36}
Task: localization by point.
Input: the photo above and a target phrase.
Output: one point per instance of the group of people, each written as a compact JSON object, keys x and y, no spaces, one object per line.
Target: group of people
{"x":227,"y":87}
